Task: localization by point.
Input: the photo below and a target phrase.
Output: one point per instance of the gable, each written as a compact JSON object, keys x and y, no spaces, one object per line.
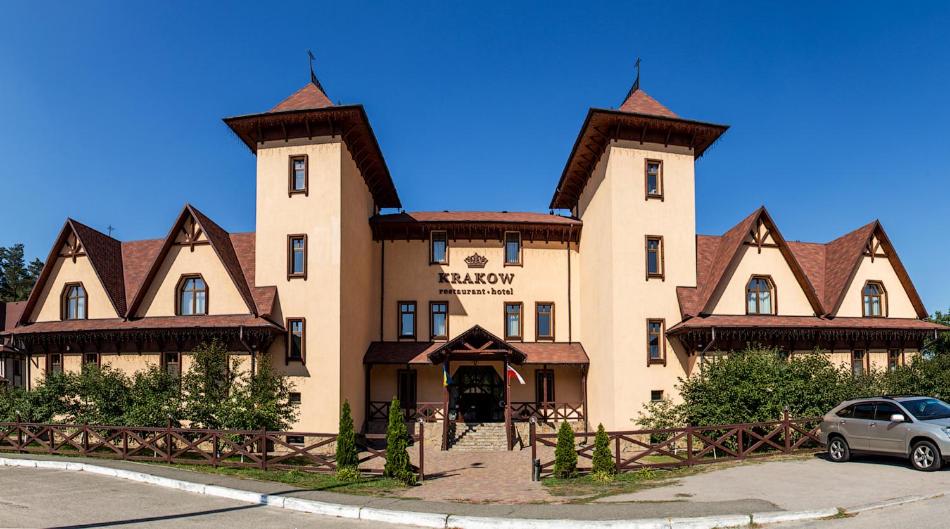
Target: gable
{"x":730,"y":295}
{"x":70,"y":264}
{"x":878,"y":268}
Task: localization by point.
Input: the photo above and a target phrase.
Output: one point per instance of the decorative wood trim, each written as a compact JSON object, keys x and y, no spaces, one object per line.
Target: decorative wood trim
{"x":432,"y":335}
{"x":178,"y":291}
{"x":415,"y":320}
{"x":520,"y":306}
{"x":650,"y":359}
{"x":63,"y":303}
{"x":504,"y":243}
{"x":303,"y":341}
{"x":646,"y":180}
{"x":661,"y":258}
{"x":290,"y":256}
{"x":884,"y":309}
{"x":772,"y":295}
{"x":432,"y":260}
{"x":306,"y":175}
{"x":537,"y":318}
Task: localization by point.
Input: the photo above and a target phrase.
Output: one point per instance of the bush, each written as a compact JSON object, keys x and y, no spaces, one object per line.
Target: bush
{"x":660,"y":415}
{"x":603,"y":461}
{"x":348,"y":474}
{"x":258,"y":400}
{"x":154,"y":399}
{"x":565,"y":457}
{"x":206,"y":387}
{"x":97,"y":395}
{"x":397,"y":447}
{"x":346,"y":454}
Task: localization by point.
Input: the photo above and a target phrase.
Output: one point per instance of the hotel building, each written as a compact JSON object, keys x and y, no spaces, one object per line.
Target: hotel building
{"x":600,"y":308}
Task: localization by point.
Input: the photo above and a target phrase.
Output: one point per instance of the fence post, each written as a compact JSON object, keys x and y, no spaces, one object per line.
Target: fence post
{"x":422,"y":449}
{"x":19,"y":434}
{"x":85,"y":438}
{"x":532,"y":431}
{"x":739,"y":443}
{"x":689,"y":446}
{"x":125,"y":443}
{"x":617,"y":453}
{"x":263,"y":449}
{"x":786,"y":425}
{"x":168,"y":440}
{"x":215,"y":449}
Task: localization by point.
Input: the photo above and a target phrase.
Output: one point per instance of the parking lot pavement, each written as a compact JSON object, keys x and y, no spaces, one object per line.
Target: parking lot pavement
{"x":929,"y":514}
{"x":31,"y":497}
{"x":801,"y":484}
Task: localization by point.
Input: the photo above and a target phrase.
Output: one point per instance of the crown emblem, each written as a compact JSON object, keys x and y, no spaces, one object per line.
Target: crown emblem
{"x":476,"y":261}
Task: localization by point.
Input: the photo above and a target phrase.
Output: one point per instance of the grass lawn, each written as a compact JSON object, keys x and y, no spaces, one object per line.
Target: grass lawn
{"x":368,"y":485}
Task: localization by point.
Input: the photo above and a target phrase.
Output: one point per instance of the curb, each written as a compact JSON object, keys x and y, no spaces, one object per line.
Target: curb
{"x":451,"y":521}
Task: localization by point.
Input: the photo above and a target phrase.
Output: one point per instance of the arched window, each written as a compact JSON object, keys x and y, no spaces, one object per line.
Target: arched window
{"x":759,"y":296}
{"x":873,"y":299}
{"x":74,"y":302}
{"x":192,"y":296}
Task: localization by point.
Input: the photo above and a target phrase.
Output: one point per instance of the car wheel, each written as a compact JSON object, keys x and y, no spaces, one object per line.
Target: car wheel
{"x":925,"y":455}
{"x":838,"y":450}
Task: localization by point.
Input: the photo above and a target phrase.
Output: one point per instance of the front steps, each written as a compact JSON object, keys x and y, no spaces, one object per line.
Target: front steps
{"x":477,"y":437}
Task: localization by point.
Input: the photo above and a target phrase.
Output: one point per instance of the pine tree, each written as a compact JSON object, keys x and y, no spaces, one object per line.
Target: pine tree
{"x":565,"y":457}
{"x":602,"y":460}
{"x":397,"y":447}
{"x":346,"y":455}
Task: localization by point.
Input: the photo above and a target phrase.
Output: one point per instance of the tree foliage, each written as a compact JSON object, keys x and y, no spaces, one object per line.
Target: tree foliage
{"x":346,"y":453}
{"x":97,"y":395}
{"x":154,"y":398}
{"x":16,"y":277}
{"x":603,"y":461}
{"x":206,"y":386}
{"x":565,"y":456}
{"x":397,"y":446}
{"x":259,"y":400}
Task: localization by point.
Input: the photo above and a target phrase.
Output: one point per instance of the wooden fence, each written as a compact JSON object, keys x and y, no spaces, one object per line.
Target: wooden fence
{"x":520,"y":411}
{"x":687,"y":446}
{"x":313,"y":452}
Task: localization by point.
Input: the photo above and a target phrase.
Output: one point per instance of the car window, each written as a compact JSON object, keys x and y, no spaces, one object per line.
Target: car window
{"x":927,"y":409}
{"x":885,"y":410}
{"x":846,"y":412}
{"x":864,"y":410}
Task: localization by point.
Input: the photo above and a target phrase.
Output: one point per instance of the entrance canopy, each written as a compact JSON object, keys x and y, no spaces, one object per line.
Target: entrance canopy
{"x":477,"y":344}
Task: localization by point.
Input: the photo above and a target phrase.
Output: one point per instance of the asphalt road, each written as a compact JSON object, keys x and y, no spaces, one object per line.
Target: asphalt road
{"x":31,"y":497}
{"x":929,"y":514}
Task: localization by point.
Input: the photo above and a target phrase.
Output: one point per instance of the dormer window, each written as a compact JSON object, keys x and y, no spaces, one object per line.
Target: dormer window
{"x":74,"y":302}
{"x":438,"y":248}
{"x":760,"y":296}
{"x":654,"y":179}
{"x":874,"y":299}
{"x":512,"y":248}
{"x":298,"y":175}
{"x":192,"y":296}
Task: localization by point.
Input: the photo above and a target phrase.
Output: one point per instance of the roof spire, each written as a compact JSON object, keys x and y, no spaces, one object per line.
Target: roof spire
{"x":313,"y":76}
{"x":636,"y":82}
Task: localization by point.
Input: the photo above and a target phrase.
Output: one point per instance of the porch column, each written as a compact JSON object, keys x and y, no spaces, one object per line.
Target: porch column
{"x":445,"y":404}
{"x":507,"y":405}
{"x":367,"y":394}
{"x":584,"y":396}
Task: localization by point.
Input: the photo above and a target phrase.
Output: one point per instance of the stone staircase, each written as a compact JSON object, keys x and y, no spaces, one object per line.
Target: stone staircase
{"x":477,"y":437}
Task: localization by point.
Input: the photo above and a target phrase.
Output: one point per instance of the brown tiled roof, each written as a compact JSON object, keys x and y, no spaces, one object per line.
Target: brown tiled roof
{"x":137,"y":257}
{"x":805,"y":322}
{"x":476,"y":224}
{"x":639,"y":102}
{"x":105,"y":255}
{"x":309,"y":97}
{"x":161,"y":322}
{"x":10,"y":313}
{"x":418,"y":352}
{"x":221,"y":242}
{"x":826,"y":269}
{"x":244,"y":247}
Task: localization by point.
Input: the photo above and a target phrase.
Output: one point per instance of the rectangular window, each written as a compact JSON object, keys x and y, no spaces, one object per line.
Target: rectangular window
{"x":406,"y":388}
{"x":544,"y":321}
{"x":294,"y":398}
{"x":295,"y":439}
{"x":171,"y":363}
{"x":654,"y":252}
{"x":439,"y":320}
{"x":656,"y":342}
{"x":513,"y":321}
{"x":512,"y":248}
{"x":438,"y":247}
{"x":298,"y":175}
{"x":654,"y":179}
{"x":544,"y":385}
{"x":55,"y":363}
{"x":407,"y":319}
{"x":858,"y":357}
{"x":894,"y":359}
{"x":90,"y":359}
{"x":656,"y":394}
{"x":297,"y":256}
{"x":296,"y":340}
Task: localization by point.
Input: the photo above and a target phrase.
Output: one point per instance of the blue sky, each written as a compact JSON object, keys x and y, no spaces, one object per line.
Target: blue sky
{"x":111,"y":111}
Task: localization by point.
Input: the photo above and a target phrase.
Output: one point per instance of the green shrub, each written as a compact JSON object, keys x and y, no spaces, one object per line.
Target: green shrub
{"x":206,"y":386}
{"x":397,"y":447}
{"x":154,"y":398}
{"x":565,"y":456}
{"x":97,"y":395}
{"x":348,"y":474}
{"x":603,"y":461}
{"x":258,"y":400}
{"x":346,"y":454}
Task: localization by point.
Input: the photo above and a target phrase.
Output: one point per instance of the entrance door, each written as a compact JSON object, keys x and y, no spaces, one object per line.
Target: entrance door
{"x":479,"y":394}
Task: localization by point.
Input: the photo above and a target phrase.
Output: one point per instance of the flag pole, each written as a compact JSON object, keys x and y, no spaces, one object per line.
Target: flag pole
{"x":508,"y":404}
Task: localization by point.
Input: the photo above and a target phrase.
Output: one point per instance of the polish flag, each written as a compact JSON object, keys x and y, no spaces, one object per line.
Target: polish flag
{"x":514,"y":374}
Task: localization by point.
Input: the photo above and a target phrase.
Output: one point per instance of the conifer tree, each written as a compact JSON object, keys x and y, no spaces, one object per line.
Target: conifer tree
{"x":602,"y":460}
{"x":346,"y":455}
{"x":565,"y":457}
{"x":397,"y":452}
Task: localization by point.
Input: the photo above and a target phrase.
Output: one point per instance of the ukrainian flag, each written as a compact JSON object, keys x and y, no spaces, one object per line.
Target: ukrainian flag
{"x":446,"y":379}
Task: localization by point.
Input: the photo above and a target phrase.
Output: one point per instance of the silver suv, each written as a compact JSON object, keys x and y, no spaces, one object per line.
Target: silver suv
{"x":907,"y":426}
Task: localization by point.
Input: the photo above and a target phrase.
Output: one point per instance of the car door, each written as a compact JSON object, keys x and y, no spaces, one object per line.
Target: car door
{"x":884,"y":435}
{"x":855,"y":427}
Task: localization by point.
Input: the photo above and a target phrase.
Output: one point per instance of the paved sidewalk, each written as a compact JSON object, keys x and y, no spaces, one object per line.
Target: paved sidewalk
{"x":617,"y":511}
{"x":480,"y":477}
